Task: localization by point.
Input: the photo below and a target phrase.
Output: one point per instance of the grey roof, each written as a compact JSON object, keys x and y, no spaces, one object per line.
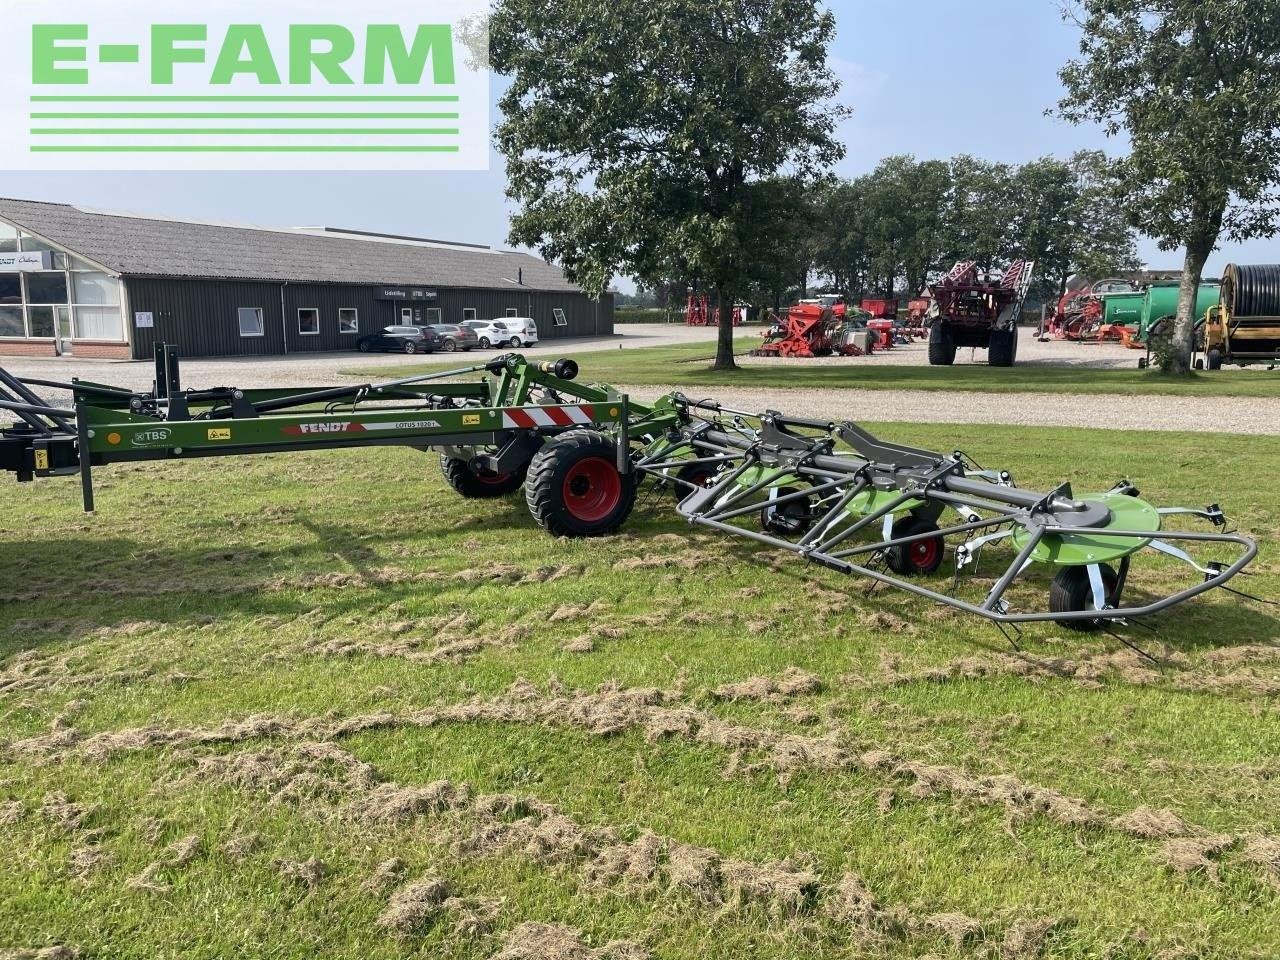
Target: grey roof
{"x":154,"y":246}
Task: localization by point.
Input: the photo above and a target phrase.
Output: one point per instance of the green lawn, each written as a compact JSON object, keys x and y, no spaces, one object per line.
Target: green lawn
{"x":373,"y":625}
{"x":690,"y":365}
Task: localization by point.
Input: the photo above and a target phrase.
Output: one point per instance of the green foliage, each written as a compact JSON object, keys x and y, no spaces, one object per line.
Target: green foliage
{"x":1195,"y":86}
{"x":643,"y":137}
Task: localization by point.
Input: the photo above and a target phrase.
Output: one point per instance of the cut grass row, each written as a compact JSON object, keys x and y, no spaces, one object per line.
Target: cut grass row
{"x":204,"y":585}
{"x":689,"y":365}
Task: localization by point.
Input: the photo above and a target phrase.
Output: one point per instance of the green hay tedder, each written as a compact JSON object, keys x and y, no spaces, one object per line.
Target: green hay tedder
{"x":829,"y":492}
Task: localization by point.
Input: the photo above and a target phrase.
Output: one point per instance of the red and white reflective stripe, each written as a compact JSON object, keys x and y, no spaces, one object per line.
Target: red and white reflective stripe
{"x":529,"y":418}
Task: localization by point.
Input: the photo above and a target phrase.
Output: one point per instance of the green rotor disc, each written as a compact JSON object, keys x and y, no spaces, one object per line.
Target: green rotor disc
{"x":1081,"y":549}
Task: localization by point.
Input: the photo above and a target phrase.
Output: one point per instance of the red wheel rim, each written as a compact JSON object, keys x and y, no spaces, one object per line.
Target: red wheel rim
{"x":592,"y":489}
{"x":491,"y":478}
{"x":925,"y":553}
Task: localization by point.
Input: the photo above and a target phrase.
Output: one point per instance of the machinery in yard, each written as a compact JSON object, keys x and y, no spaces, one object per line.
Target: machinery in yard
{"x":1244,"y":326}
{"x":973,"y":309}
{"x":828,"y":492}
{"x":699,"y":312}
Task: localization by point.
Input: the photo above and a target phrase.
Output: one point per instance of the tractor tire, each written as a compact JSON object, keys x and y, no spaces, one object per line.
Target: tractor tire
{"x":1003,"y":348}
{"x":920,"y":558}
{"x":1213,"y":359}
{"x":942,"y":348}
{"x":695,"y":473}
{"x":479,"y":485}
{"x":1072,"y":592}
{"x":574,"y":488}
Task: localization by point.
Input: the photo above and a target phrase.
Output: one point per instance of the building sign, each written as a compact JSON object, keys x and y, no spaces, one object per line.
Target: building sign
{"x":379,"y":85}
{"x":141,"y":320}
{"x":26,"y":262}
{"x":418,"y":294}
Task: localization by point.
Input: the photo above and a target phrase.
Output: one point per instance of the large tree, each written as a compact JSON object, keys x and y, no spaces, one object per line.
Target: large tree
{"x":1196,"y":86}
{"x":643,"y":136}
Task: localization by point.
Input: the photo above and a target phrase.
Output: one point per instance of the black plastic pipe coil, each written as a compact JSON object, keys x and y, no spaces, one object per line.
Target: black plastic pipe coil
{"x":1252,"y":291}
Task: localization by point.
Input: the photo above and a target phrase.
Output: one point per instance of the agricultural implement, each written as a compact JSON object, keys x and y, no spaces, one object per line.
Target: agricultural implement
{"x":828,"y":492}
{"x":972,"y":309}
{"x":1244,"y":328}
{"x":699,"y":312}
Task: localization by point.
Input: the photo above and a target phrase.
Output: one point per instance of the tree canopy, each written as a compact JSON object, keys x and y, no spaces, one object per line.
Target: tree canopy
{"x":1195,"y":84}
{"x":647,"y":136}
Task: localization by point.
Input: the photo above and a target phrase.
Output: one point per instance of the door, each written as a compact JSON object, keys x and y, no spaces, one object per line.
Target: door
{"x":64,"y":331}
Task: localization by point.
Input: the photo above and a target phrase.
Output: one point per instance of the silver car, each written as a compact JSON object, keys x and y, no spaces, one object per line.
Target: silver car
{"x":455,"y":337}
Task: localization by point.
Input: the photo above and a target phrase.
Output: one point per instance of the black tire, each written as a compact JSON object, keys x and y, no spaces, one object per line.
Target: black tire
{"x":484,"y":343}
{"x":1071,"y":592}
{"x":695,"y":473}
{"x":574,"y":488}
{"x":789,"y":520}
{"x":410,"y":347}
{"x":363,"y":346}
{"x":942,"y":348}
{"x":920,"y":558}
{"x":449,"y":346}
{"x":1003,"y":348}
{"x":1213,"y":359}
{"x":514,"y":343}
{"x":475,"y":485}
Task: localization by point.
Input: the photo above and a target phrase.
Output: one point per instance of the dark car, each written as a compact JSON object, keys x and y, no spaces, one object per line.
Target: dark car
{"x":454,"y":337}
{"x":400,"y":340}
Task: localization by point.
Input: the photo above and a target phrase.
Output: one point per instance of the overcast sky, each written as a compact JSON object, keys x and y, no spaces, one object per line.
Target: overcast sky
{"x":932,"y":78}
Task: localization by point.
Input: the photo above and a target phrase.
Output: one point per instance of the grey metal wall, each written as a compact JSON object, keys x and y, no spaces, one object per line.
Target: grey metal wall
{"x":201,"y":317}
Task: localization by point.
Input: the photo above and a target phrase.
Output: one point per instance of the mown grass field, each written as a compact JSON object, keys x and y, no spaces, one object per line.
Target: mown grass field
{"x":690,"y":365}
{"x":228,"y":702}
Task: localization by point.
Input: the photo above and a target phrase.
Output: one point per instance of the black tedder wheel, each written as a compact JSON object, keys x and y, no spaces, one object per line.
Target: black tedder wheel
{"x":697,"y":474}
{"x":574,"y":488}
{"x":1071,"y":591}
{"x":1003,"y":348}
{"x":942,"y":348}
{"x":919,"y":558}
{"x":479,"y":484}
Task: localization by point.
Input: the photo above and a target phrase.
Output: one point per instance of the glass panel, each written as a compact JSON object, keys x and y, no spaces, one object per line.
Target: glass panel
{"x":250,"y":321}
{"x":561,"y":319}
{"x":348,"y":320}
{"x":41,"y":319}
{"x":99,"y":323}
{"x":75,"y":263}
{"x":96,"y":288}
{"x":46,"y":288}
{"x":8,"y":239}
{"x":309,"y":321}
{"x":10,"y":288}
{"x":433,"y":314}
{"x":11,"y":324}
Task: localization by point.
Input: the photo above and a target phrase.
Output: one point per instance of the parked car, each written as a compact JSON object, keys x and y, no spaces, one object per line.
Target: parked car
{"x":523,"y":331}
{"x":491,"y":332}
{"x":454,"y":337}
{"x":401,"y":340}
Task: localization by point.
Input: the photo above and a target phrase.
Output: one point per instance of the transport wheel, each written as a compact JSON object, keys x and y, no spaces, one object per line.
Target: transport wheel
{"x":790,"y":519}
{"x":410,"y":347}
{"x":574,"y":488}
{"x":697,"y":474}
{"x":362,"y":346}
{"x":1003,"y":348}
{"x":1213,"y":360}
{"x":514,"y":343}
{"x":942,"y":348}
{"x":484,"y":343}
{"x":479,"y":484}
{"x":450,"y":346}
{"x":1071,"y":591}
{"x":919,"y":558}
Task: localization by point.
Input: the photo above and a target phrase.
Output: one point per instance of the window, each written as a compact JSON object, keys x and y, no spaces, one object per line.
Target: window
{"x":11,"y":288}
{"x":561,"y":319}
{"x":11,"y":323}
{"x":406,"y":315}
{"x":309,"y":322}
{"x":47,"y":288}
{"x":512,"y":311}
{"x":468,"y":313}
{"x":348,"y":320}
{"x":41,"y":321}
{"x":96,"y":289}
{"x":250,"y":321}
{"x":98,"y":323}
{"x":433,"y":315}
{"x":8,"y":239}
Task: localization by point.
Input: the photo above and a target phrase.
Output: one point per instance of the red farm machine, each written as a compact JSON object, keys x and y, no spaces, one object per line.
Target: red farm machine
{"x":826,"y":491}
{"x":819,"y":328}
{"x":980,"y":310}
{"x":699,"y":312}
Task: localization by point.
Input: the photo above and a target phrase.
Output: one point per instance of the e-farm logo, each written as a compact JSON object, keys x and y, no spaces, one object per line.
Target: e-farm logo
{"x":251,"y":85}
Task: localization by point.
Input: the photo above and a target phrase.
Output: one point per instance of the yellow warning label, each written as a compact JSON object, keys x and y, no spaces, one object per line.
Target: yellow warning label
{"x":471,"y":419}
{"x":42,"y":459}
{"x":220,"y":433}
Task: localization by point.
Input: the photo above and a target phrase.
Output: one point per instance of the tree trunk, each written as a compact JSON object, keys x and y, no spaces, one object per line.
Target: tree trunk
{"x":724,"y":337}
{"x":1178,"y":359}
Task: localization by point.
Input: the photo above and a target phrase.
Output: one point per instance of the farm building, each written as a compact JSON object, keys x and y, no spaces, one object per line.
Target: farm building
{"x":91,"y":283}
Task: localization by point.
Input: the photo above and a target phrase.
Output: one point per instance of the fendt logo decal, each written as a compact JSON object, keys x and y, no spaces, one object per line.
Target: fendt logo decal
{"x":299,"y":429}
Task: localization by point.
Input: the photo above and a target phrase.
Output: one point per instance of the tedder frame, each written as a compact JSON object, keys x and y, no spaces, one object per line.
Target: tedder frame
{"x":829,"y":492}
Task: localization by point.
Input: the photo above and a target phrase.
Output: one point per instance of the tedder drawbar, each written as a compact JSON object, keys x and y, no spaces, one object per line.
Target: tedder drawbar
{"x":829,"y":492}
